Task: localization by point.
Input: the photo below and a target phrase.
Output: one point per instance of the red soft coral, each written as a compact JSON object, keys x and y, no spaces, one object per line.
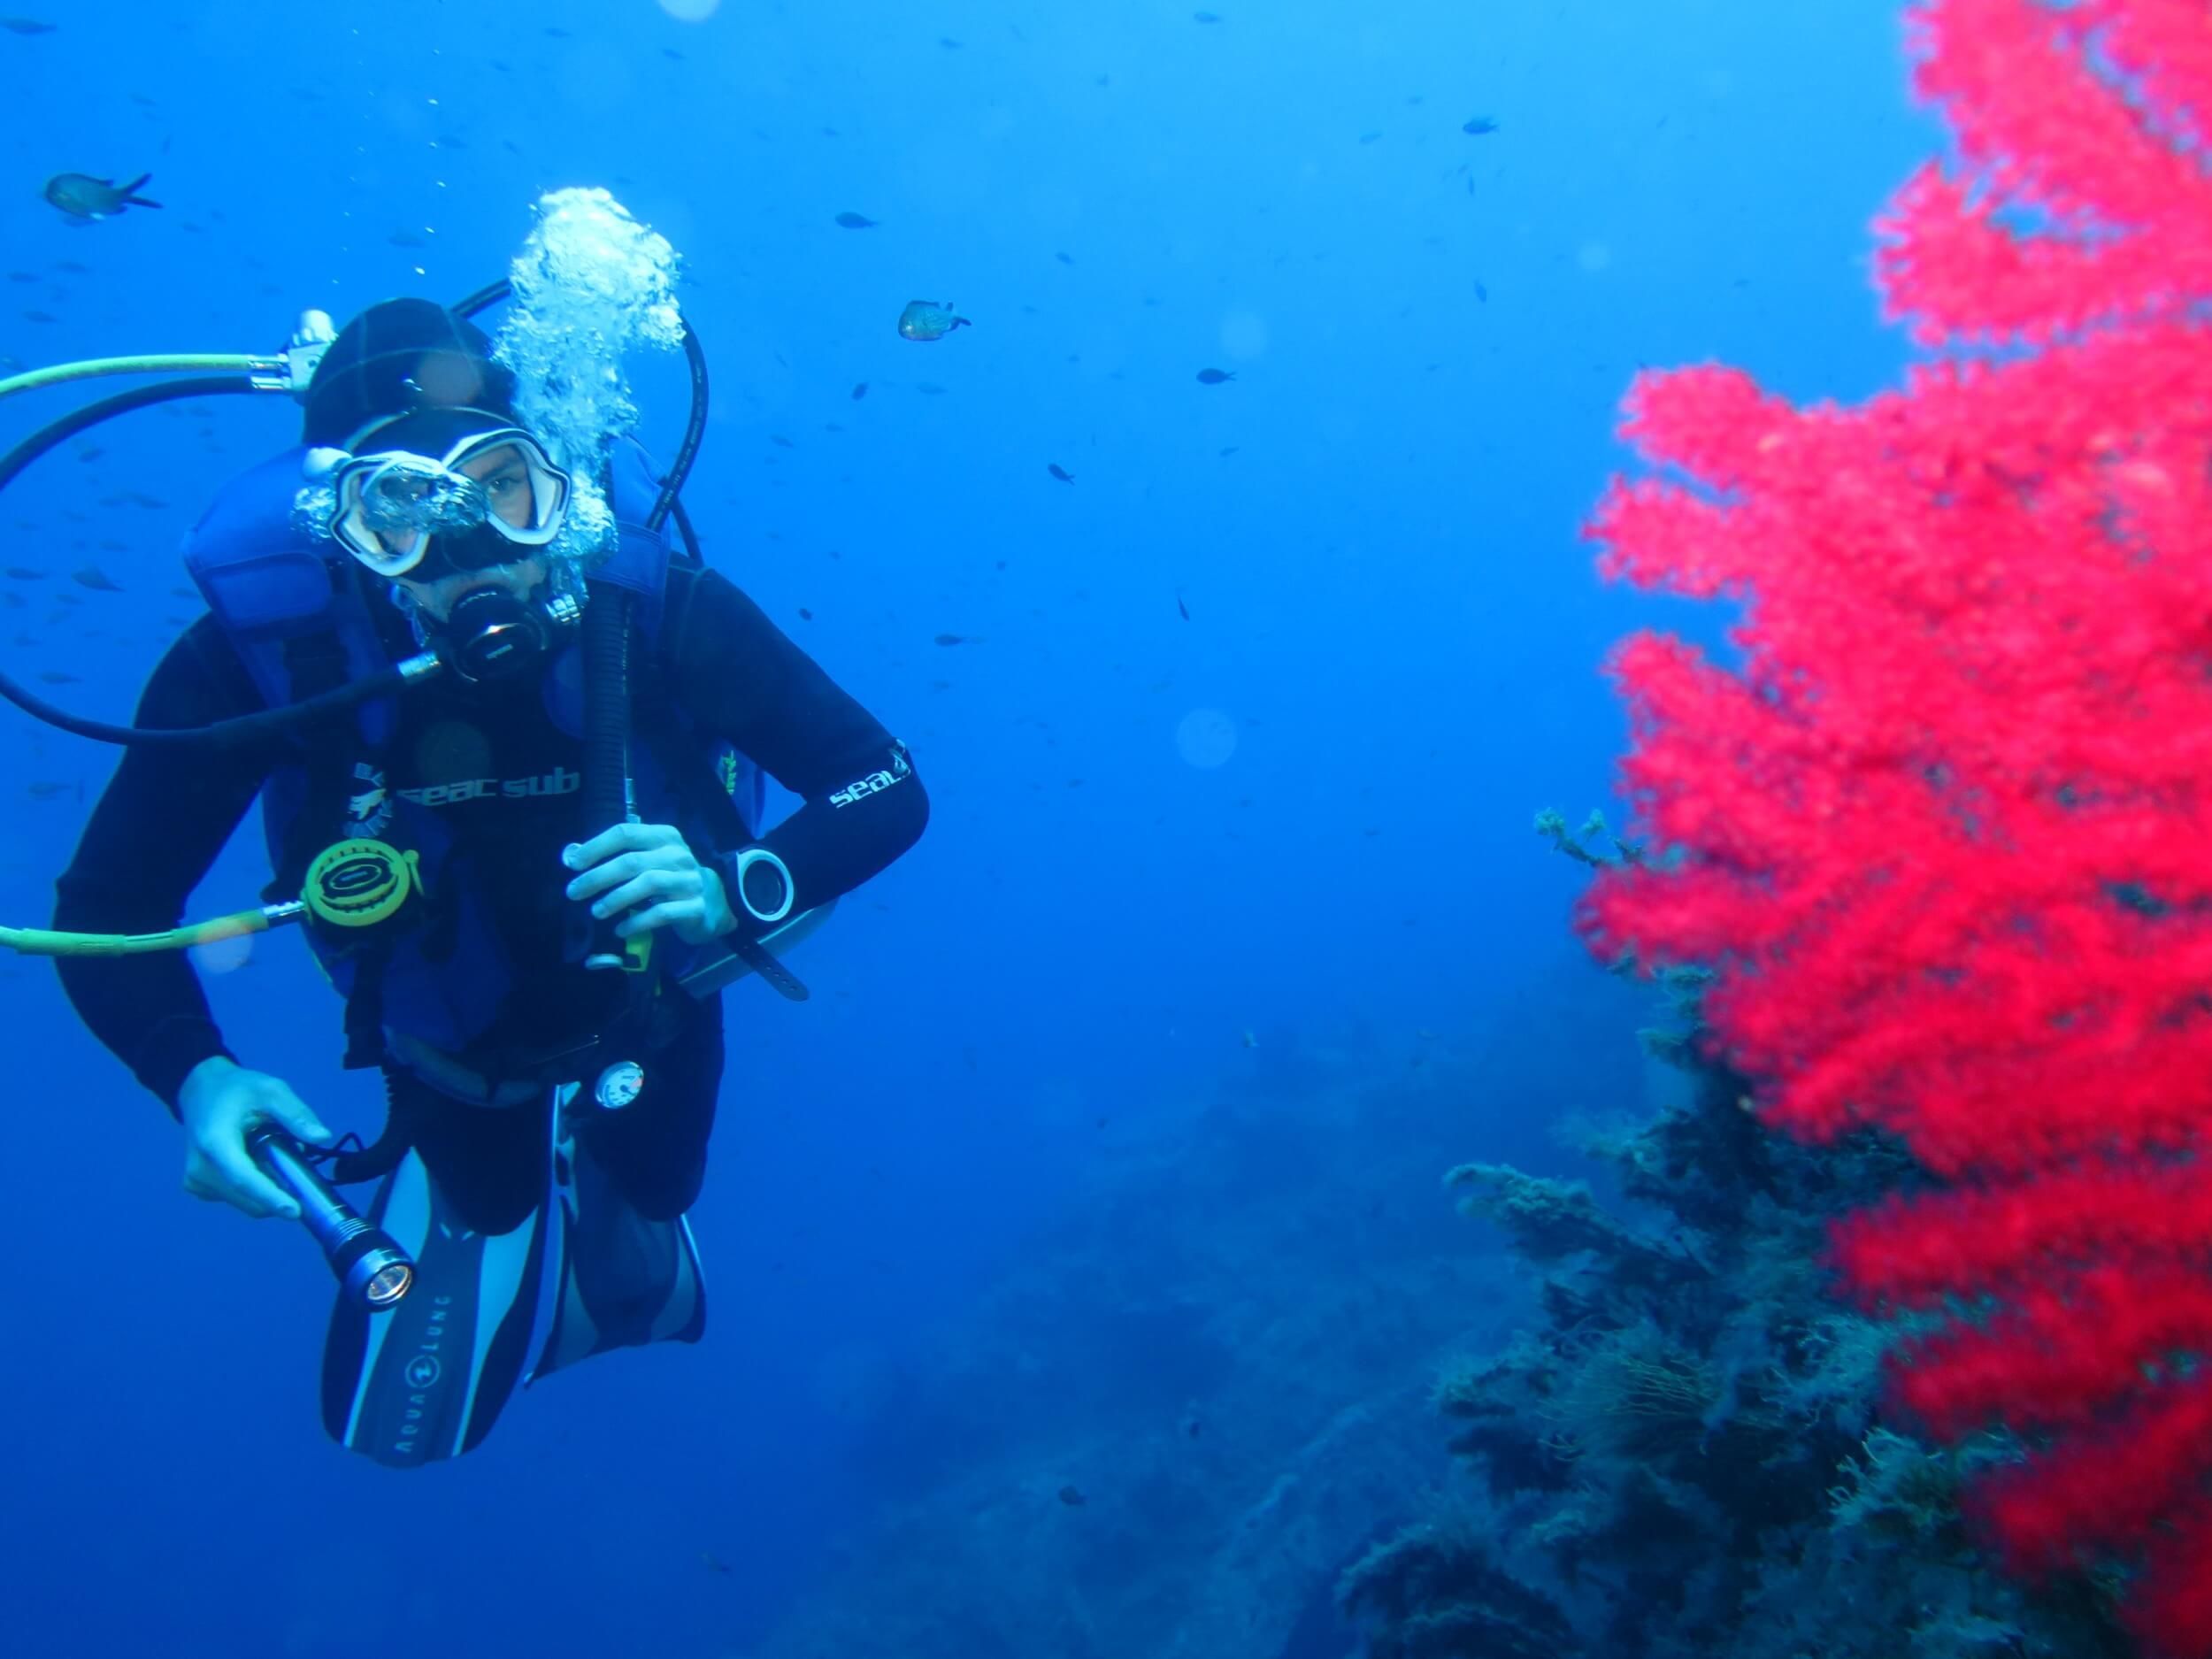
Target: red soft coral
{"x":1944,"y":826}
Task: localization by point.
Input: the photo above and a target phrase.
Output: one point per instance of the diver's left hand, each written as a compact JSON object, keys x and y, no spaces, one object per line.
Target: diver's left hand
{"x":650,"y":865}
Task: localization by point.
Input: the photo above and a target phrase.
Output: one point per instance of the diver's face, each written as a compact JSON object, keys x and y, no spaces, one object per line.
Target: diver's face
{"x":506,"y":480}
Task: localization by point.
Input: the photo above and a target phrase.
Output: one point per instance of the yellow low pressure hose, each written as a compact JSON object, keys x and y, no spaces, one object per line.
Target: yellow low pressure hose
{"x":175,"y":362}
{"x":356,"y":883}
{"x":40,"y":941}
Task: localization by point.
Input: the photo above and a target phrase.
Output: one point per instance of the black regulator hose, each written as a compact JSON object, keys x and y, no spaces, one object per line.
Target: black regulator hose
{"x":63,"y":428}
{"x":244,"y":729}
{"x":695,"y":433}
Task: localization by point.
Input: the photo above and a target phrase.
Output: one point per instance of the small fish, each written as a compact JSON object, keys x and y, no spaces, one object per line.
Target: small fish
{"x":1205,"y":17}
{"x":860,"y":390}
{"x":1182,"y":610}
{"x":952,"y":638}
{"x":1369,"y":138}
{"x":1063,"y":259}
{"x":927,"y":319}
{"x":1482,"y":293}
{"x":1215,"y":376}
{"x":56,"y":677}
{"x":929,"y":388}
{"x":46,"y":789}
{"x":1479,"y":126}
{"x":1250,"y":1040}
{"x":81,"y":196}
{"x":1072,"y":1497}
{"x":1231,"y":451}
{"x":855,"y":221}
{"x":805,"y":615}
{"x":407,"y":239}
{"x":92,"y":577}
{"x":26,"y":26}
{"x":714,"y":1563}
{"x":39,"y":317}
{"x":780,"y":442}
{"x":1059,"y":471}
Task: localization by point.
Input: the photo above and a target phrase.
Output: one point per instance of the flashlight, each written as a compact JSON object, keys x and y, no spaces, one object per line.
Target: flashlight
{"x":373,"y":1270}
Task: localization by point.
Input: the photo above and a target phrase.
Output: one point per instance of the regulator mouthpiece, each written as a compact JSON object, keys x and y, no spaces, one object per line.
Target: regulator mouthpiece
{"x":492,"y":634}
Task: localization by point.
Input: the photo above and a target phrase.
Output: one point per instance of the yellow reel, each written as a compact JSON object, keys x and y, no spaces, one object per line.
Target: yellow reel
{"x":360,"y":883}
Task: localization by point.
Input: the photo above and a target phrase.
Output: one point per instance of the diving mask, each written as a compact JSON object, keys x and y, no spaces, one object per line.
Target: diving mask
{"x":490,"y":495}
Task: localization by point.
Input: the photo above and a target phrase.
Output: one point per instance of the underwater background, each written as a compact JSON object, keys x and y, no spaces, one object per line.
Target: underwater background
{"x":1081,"y":1268}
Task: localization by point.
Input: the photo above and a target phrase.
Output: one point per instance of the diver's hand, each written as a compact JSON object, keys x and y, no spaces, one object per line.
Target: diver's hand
{"x":219,"y":1101}
{"x":650,"y":864}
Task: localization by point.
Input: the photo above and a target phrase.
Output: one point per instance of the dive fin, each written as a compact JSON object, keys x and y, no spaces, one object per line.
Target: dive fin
{"x":426,"y":1381}
{"x":624,"y":1281}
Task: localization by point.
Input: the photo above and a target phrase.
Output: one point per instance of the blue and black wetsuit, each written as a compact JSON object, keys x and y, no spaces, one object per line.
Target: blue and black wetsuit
{"x":501,"y":780}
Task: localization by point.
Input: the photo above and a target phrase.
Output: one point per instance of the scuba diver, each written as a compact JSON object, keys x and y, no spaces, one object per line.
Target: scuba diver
{"x":540,"y":990}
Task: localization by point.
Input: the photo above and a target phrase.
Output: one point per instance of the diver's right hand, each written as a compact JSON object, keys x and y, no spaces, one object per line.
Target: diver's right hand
{"x":219,"y":1101}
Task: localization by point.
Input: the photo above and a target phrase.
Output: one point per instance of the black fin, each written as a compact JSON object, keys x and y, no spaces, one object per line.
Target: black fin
{"x":426,"y":1381}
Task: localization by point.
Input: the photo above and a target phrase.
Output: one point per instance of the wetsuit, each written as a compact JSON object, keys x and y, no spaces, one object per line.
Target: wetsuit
{"x":503,"y":779}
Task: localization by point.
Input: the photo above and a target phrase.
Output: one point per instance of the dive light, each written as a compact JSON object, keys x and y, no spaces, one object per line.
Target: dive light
{"x":373,"y":1270}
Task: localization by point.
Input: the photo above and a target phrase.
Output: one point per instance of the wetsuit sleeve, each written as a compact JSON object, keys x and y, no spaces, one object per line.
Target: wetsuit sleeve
{"x":159,"y":826}
{"x":742,"y":681}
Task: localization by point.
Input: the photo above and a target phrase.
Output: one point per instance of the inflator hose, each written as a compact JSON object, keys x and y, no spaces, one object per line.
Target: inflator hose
{"x":605,"y":647}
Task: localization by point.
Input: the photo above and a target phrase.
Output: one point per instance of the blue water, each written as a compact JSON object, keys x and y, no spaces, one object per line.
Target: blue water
{"x":1390,"y":612}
